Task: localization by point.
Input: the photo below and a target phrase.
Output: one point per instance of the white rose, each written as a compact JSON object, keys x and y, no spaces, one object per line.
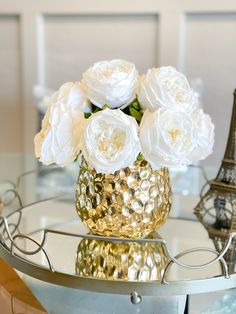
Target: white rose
{"x":167,"y":138}
{"x":205,"y":135}
{"x":60,"y":137}
{"x":110,"y":141}
{"x":166,"y":87}
{"x":111,"y":82}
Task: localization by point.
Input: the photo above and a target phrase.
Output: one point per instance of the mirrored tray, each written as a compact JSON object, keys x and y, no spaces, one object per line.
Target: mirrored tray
{"x":48,"y":241}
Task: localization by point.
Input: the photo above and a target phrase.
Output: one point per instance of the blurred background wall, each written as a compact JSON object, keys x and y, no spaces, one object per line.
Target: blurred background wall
{"x":50,"y":42}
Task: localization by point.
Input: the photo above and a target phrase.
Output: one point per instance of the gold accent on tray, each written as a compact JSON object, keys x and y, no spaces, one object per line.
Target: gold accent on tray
{"x":132,"y":202}
{"x":130,"y":261}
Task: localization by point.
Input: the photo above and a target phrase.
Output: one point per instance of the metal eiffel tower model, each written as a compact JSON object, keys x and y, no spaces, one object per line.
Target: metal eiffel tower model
{"x":217,"y":208}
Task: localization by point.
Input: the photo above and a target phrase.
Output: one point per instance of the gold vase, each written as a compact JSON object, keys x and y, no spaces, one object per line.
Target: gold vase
{"x":132,"y":202}
{"x":130,"y":261}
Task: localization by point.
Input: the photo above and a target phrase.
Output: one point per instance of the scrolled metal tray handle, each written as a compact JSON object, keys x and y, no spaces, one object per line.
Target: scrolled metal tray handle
{"x":12,"y":239}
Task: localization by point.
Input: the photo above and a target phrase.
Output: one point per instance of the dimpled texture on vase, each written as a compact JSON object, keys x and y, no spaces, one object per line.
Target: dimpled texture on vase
{"x":128,"y":261}
{"x":132,"y":202}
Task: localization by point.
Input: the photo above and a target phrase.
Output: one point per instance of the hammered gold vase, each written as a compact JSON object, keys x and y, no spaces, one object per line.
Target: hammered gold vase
{"x":129,"y":261}
{"x":132,"y":202}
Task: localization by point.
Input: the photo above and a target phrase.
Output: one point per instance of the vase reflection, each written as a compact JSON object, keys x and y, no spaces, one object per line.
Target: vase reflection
{"x":129,"y":261}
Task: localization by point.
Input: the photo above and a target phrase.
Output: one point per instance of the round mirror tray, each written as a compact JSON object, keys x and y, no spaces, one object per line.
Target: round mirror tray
{"x":48,"y":241}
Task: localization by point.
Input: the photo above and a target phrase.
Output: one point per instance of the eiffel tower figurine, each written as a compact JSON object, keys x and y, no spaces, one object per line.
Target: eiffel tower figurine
{"x":217,"y":208}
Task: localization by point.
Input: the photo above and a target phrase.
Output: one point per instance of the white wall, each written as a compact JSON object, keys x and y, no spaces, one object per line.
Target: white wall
{"x":50,"y":42}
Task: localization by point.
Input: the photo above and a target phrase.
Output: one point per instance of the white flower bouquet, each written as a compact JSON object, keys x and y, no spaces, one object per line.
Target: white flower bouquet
{"x":114,"y":116}
{"x":129,"y":129}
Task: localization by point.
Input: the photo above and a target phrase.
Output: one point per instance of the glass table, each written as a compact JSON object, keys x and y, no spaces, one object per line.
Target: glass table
{"x":72,"y":271}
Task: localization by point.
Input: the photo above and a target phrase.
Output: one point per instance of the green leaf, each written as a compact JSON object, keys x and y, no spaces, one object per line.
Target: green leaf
{"x":106,"y":106}
{"x":135,"y":110}
{"x":95,"y":109}
{"x":135,"y":105}
{"x":136,"y":114}
{"x":87,"y":114}
{"x":140,"y":157}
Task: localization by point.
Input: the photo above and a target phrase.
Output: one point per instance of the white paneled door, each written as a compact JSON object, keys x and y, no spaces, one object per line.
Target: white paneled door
{"x":50,"y":42}
{"x":10,"y":85}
